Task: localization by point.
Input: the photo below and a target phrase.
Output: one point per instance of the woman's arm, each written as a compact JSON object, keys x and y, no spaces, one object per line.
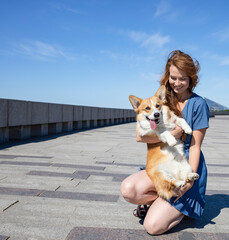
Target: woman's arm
{"x":147,"y":139}
{"x":194,"y":157}
{"x":194,"y":150}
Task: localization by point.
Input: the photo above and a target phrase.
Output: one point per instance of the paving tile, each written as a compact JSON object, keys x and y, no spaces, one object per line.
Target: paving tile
{"x":3,"y":156}
{"x":87,"y":233}
{"x":119,"y":178}
{"x":4,"y":237}
{"x":79,"y":174}
{"x":26,"y":163}
{"x":6,"y":156}
{"x":211,"y":192}
{"x":78,"y":166}
{"x":57,"y":174}
{"x":59,"y":194}
{"x":119,"y":164}
{"x":116,"y":176}
{"x":217,"y":165}
{"x":51,"y":164}
{"x":7,"y":203}
{"x":202,"y":236}
{"x":223,"y":175}
{"x":20,"y":191}
{"x":80,"y":196}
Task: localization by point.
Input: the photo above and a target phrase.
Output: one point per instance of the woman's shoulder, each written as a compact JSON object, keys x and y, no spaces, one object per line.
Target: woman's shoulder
{"x":199,"y":112}
{"x":197,"y":100}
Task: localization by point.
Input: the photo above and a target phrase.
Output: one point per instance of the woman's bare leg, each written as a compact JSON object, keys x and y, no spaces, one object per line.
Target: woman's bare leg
{"x":161,"y":217}
{"x":138,"y":189}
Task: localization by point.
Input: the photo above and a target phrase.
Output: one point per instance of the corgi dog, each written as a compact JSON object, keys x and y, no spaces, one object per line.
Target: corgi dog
{"x":167,"y":165}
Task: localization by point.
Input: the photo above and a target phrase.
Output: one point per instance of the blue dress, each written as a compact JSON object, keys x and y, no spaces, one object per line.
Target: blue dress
{"x":196,"y":114}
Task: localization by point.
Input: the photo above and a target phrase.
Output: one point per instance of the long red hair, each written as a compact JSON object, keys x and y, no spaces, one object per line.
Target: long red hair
{"x":184,"y":62}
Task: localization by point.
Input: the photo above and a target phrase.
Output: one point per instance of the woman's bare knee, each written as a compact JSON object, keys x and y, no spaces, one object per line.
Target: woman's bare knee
{"x":161,"y":217}
{"x":153,"y":227}
{"x":128,"y":190}
{"x":138,"y":188}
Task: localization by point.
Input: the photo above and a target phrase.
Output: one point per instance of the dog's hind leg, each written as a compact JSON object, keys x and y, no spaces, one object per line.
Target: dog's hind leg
{"x":179,"y":183}
{"x":164,"y":187}
{"x":192,"y":176}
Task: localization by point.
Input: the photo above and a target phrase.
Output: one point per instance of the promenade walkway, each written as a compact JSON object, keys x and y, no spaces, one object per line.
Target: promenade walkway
{"x":67,"y":187}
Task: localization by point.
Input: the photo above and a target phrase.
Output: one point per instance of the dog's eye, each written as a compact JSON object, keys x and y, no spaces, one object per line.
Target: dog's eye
{"x":157,"y":105}
{"x":147,"y":108}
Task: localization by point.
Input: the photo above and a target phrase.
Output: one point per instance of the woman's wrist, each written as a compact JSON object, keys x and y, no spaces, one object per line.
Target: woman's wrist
{"x":177,"y":132}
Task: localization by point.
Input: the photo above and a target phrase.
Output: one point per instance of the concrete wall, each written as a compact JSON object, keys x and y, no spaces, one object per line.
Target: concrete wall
{"x":214,"y":113}
{"x":24,"y":119}
{"x":221,"y":113}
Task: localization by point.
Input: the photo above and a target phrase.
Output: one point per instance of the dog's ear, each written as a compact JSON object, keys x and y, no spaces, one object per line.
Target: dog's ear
{"x":135,"y":102}
{"x":161,"y":93}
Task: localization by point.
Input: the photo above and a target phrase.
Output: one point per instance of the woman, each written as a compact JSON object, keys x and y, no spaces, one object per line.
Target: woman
{"x":180,"y":78}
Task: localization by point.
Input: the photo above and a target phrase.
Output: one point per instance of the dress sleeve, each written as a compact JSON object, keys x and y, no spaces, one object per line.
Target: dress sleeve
{"x":201,"y":115}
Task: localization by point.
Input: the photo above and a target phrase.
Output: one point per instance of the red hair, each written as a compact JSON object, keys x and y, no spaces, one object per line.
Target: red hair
{"x":184,"y":62}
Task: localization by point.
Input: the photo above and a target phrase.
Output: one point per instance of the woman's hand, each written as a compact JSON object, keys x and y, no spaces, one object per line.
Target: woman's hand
{"x":138,"y":138}
{"x":177,"y":132}
{"x":181,"y":191}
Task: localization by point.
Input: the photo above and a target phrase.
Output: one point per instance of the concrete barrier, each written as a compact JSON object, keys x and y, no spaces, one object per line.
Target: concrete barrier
{"x":215,"y":113}
{"x":24,"y":119}
{"x":221,"y":112}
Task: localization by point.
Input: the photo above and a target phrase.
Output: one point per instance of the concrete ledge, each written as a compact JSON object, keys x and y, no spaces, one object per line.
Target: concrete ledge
{"x":24,"y":119}
{"x":18,"y":113}
{"x":78,"y":113}
{"x":39,"y":113}
{"x":4,"y":114}
{"x":68,"y":113}
{"x":55,"y":113}
{"x":215,"y":113}
{"x":221,"y":113}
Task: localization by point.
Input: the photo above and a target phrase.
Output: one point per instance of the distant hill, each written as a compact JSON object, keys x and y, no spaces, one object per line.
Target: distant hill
{"x":213,"y":106}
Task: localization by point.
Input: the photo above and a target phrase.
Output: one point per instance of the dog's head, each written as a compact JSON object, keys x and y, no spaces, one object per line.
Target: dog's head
{"x":149,"y":111}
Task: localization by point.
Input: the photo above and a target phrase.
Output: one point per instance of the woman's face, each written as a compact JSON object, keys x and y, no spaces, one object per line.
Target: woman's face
{"x":178,"y":80}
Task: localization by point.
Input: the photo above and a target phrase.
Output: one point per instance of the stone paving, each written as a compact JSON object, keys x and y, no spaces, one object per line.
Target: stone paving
{"x":66,"y":187}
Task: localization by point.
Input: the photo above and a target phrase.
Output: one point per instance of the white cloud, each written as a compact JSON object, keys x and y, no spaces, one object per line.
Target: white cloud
{"x":222,"y":35}
{"x":151,"y":76}
{"x":63,"y":7}
{"x":41,"y":51}
{"x":110,"y":54}
{"x":125,"y":57}
{"x":162,"y":8}
{"x":150,"y":41}
{"x":222,"y":60}
{"x":225,"y":61}
{"x":167,"y":12}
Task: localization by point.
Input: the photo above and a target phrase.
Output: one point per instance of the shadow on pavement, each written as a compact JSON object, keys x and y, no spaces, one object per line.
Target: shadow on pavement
{"x":214,"y":204}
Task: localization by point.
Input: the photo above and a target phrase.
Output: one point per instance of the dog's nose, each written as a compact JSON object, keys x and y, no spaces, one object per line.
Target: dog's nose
{"x":156,"y":115}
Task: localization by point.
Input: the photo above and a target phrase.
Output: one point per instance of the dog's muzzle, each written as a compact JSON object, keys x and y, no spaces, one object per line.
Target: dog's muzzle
{"x":154,"y":122}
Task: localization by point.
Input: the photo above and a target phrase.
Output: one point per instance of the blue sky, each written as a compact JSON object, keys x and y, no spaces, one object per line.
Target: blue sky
{"x":98,"y":52}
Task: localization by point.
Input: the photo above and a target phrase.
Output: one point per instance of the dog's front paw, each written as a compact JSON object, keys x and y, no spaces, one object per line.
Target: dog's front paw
{"x":188,"y":130}
{"x":172,"y":142}
{"x":167,"y":137}
{"x":193,"y":176}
